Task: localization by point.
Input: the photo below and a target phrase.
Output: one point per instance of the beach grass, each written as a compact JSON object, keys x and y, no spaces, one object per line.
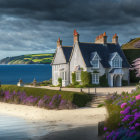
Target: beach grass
{"x":78,"y":99}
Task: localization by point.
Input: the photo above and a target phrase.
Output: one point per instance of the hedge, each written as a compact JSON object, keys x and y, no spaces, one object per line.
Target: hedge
{"x":77,"y":98}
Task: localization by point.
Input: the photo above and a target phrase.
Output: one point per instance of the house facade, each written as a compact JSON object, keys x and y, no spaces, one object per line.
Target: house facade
{"x":99,"y":58}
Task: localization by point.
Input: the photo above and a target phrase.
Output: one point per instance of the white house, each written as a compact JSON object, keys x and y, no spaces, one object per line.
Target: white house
{"x":100,"y":56}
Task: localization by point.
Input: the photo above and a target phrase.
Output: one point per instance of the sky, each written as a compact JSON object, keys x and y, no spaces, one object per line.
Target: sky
{"x":33,"y":26}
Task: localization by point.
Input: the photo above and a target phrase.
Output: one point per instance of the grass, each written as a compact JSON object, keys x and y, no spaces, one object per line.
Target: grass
{"x":100,"y":105}
{"x":79,"y":99}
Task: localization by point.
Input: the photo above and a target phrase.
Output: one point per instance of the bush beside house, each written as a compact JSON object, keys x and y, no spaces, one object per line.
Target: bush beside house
{"x":86,"y":80}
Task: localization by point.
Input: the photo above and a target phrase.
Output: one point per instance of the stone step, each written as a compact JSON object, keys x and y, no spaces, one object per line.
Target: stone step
{"x":97,"y":100}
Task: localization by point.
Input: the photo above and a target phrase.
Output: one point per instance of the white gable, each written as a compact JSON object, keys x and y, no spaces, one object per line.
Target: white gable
{"x":76,"y":59}
{"x":59,"y":57}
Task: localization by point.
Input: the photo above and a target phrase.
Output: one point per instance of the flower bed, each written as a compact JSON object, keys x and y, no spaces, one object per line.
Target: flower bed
{"x":123,"y":122}
{"x":49,"y":99}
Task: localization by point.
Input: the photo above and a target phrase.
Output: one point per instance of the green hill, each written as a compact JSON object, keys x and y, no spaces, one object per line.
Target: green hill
{"x":132,"y":52}
{"x":132,"y":44}
{"x":29,"y":59}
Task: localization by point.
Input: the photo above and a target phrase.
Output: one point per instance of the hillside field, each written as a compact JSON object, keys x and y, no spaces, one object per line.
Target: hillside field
{"x":29,"y":59}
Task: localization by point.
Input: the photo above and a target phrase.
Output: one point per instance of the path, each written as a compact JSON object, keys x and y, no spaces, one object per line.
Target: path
{"x":99,"y":90}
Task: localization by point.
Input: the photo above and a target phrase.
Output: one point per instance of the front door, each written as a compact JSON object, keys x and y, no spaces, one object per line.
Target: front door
{"x":117,"y":81}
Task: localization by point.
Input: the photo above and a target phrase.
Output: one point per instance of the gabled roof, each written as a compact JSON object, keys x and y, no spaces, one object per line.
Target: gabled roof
{"x":113,"y":55}
{"x":104,"y":52}
{"x":67,"y":52}
{"x":94,"y":54}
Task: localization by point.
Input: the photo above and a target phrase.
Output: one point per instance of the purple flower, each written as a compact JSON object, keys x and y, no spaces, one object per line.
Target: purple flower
{"x":132,"y":102}
{"x":137,"y":124}
{"x":130,"y":123}
{"x":134,"y":110}
{"x":132,"y":128}
{"x":121,"y":112}
{"x":123,"y":105}
{"x":137,"y":97}
{"x":136,"y":116}
{"x":126,"y":110}
{"x":132,"y":134}
{"x":127,"y":117}
{"x":105,"y":128}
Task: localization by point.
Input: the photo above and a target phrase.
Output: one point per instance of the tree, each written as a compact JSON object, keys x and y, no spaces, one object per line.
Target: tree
{"x":136,"y":67}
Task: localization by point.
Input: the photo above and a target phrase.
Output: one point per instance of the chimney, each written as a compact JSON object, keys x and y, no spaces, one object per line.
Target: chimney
{"x":101,"y":39}
{"x":115,"y":39}
{"x":59,"y":43}
{"x":75,"y":36}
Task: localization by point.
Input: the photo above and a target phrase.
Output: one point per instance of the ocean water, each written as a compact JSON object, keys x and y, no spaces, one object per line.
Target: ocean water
{"x":10,"y":74}
{"x":14,"y":128}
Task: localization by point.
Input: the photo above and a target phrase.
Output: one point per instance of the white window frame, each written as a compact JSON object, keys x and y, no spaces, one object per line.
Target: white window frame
{"x":95,"y":78}
{"x":95,"y":61}
{"x":78,"y":76}
{"x":116,"y":61}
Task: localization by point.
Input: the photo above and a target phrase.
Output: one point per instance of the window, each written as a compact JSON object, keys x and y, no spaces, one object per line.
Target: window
{"x":117,"y":62}
{"x":95,"y":78}
{"x":78,"y":76}
{"x":95,"y":62}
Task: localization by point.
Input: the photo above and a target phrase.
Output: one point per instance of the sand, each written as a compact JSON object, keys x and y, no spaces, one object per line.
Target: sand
{"x":83,"y":120}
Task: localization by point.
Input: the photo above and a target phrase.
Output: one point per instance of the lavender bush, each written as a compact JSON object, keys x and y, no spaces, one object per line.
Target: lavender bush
{"x":55,"y":102}
{"x":124,"y":117}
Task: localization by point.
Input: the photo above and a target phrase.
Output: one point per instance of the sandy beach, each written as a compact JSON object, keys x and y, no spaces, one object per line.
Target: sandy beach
{"x":61,"y":123}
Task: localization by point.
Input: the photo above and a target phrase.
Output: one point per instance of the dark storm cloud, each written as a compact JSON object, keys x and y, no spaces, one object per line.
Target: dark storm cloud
{"x":91,"y":12}
{"x":32,"y":26}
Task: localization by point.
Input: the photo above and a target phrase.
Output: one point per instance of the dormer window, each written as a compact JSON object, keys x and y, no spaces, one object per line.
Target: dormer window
{"x":95,"y":61}
{"x":117,"y":61}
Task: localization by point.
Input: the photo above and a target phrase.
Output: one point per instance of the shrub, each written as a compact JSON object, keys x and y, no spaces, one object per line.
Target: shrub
{"x":85,"y":78}
{"x":123,"y":121}
{"x":45,"y":83}
{"x":74,"y":78}
{"x":124,"y":82}
{"x":60,"y":82}
{"x":103,"y":81}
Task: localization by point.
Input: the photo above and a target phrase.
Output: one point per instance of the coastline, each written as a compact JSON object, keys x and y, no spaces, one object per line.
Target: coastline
{"x":58,"y":120}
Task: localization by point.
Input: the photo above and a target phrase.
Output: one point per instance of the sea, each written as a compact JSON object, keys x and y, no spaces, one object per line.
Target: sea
{"x":14,"y":128}
{"x":11,"y":74}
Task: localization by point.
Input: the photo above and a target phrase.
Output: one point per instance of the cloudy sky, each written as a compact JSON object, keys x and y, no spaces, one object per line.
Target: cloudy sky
{"x":33,"y":26}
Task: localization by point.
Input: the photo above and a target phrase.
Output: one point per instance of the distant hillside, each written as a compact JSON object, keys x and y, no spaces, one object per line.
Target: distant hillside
{"x":132,"y":44}
{"x":29,"y":59}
